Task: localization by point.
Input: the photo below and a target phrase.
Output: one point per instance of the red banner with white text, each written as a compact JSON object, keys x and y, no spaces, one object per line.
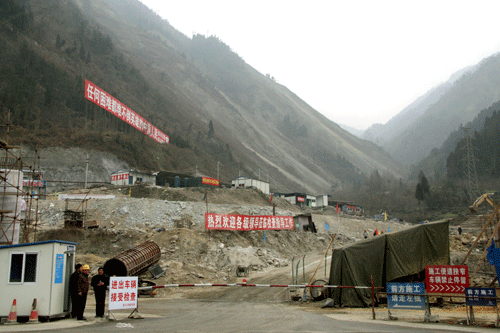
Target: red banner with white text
{"x":247,"y":222}
{"x":100,"y":97}
{"x":210,"y":181}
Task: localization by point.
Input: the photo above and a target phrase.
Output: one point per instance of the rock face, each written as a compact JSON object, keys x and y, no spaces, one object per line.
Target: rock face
{"x":69,"y":165}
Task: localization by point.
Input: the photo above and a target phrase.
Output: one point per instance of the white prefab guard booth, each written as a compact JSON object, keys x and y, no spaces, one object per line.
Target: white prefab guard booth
{"x":38,"y":270}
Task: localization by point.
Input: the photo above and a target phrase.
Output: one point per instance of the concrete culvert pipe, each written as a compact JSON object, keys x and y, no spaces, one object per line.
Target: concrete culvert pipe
{"x":134,"y":261}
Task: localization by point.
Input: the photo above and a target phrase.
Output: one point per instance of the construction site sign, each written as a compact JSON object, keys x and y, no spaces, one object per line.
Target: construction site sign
{"x":123,"y":292}
{"x":476,"y":296}
{"x":247,"y":222}
{"x":448,"y":279}
{"x":100,"y":97}
{"x":406,"y":295}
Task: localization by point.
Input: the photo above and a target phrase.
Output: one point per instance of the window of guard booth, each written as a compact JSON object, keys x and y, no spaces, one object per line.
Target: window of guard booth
{"x":23,"y":267}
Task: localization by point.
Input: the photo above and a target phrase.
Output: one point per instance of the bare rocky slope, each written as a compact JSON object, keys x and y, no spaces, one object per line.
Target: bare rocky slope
{"x":266,"y":123}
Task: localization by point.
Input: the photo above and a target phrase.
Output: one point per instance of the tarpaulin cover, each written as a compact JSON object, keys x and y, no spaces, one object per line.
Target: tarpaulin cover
{"x":386,"y":257}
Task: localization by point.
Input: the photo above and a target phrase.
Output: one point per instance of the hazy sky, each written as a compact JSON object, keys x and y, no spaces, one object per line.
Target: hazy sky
{"x":356,"y":62}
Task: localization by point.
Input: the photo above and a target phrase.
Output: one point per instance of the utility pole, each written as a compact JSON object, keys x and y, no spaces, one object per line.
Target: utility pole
{"x":86,"y":170}
{"x":196,"y":172}
{"x":218,"y":163}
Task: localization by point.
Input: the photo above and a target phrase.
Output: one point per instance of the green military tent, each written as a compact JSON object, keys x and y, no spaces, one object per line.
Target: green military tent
{"x":390,"y":257}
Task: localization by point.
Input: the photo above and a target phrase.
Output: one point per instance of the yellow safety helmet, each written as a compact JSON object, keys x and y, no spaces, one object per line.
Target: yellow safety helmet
{"x":84,"y":267}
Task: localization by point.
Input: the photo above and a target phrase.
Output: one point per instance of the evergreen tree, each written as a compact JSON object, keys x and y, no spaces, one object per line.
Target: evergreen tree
{"x":210,"y":129}
{"x":424,"y":183}
{"x":423,"y":188}
{"x":419,"y":193}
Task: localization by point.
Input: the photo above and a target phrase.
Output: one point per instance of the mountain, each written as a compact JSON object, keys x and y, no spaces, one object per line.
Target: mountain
{"x":448,"y":159}
{"x":429,"y":121}
{"x":387,"y":135}
{"x":352,"y":130}
{"x":184,"y":86}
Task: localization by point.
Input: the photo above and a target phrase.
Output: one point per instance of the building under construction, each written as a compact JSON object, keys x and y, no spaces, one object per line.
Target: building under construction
{"x":20,"y":180}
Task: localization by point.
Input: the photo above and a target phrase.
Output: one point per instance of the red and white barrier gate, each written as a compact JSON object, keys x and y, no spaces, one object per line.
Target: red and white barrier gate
{"x":251,"y":285}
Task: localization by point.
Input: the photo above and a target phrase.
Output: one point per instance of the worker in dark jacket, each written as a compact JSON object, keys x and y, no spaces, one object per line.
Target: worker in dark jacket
{"x":73,"y":280}
{"x":100,"y":284}
{"x":83,"y":286}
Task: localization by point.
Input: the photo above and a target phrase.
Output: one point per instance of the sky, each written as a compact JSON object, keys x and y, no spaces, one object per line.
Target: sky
{"x":356,"y":62}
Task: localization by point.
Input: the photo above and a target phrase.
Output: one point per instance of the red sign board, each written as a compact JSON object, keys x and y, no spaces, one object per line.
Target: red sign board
{"x":119,"y":177}
{"x":301,"y":199}
{"x":209,"y":181}
{"x":247,"y":222}
{"x":447,"y":279}
{"x":33,"y":183}
{"x":100,"y":97}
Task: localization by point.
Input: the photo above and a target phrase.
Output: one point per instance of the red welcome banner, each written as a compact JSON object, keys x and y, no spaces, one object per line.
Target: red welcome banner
{"x":100,"y":97}
{"x":247,"y":222}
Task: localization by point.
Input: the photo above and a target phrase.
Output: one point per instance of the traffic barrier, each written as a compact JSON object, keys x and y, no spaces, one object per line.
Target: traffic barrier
{"x":34,"y":312}
{"x":244,"y":284}
{"x":13,"y":313}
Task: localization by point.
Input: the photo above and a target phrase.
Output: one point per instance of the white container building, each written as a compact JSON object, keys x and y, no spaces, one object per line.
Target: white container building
{"x":38,"y":271}
{"x":130,"y":177}
{"x":244,"y":182}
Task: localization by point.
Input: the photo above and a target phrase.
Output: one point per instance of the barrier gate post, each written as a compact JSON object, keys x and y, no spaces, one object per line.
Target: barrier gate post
{"x":373,"y":298}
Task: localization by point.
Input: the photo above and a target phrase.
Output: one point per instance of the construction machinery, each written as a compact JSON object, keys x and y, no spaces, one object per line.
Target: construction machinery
{"x":490,"y":232}
{"x":485,"y":197}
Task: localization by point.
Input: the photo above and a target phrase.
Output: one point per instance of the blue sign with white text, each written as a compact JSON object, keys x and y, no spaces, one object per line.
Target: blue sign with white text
{"x":406,"y":295}
{"x":58,"y":276}
{"x":475,"y":296}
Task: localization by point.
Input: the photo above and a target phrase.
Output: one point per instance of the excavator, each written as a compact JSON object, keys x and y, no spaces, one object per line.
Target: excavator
{"x":486,"y":197}
{"x":490,"y":246}
{"x":480,"y":200}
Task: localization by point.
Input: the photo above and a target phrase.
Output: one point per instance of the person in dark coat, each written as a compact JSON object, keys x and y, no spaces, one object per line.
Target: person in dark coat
{"x":73,"y":281}
{"x":83,"y":286}
{"x":100,"y":283}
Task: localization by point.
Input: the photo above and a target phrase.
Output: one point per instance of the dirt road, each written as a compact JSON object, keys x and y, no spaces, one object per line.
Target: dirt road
{"x":274,"y":276}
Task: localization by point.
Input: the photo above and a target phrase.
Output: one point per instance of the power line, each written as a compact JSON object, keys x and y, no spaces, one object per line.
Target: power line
{"x":470,"y":172}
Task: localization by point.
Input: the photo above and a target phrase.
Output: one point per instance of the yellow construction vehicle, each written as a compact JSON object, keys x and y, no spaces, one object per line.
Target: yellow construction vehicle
{"x":479,"y":201}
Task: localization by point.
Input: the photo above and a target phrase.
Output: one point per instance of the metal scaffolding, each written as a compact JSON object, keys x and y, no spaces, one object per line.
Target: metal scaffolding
{"x":20,"y":184}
